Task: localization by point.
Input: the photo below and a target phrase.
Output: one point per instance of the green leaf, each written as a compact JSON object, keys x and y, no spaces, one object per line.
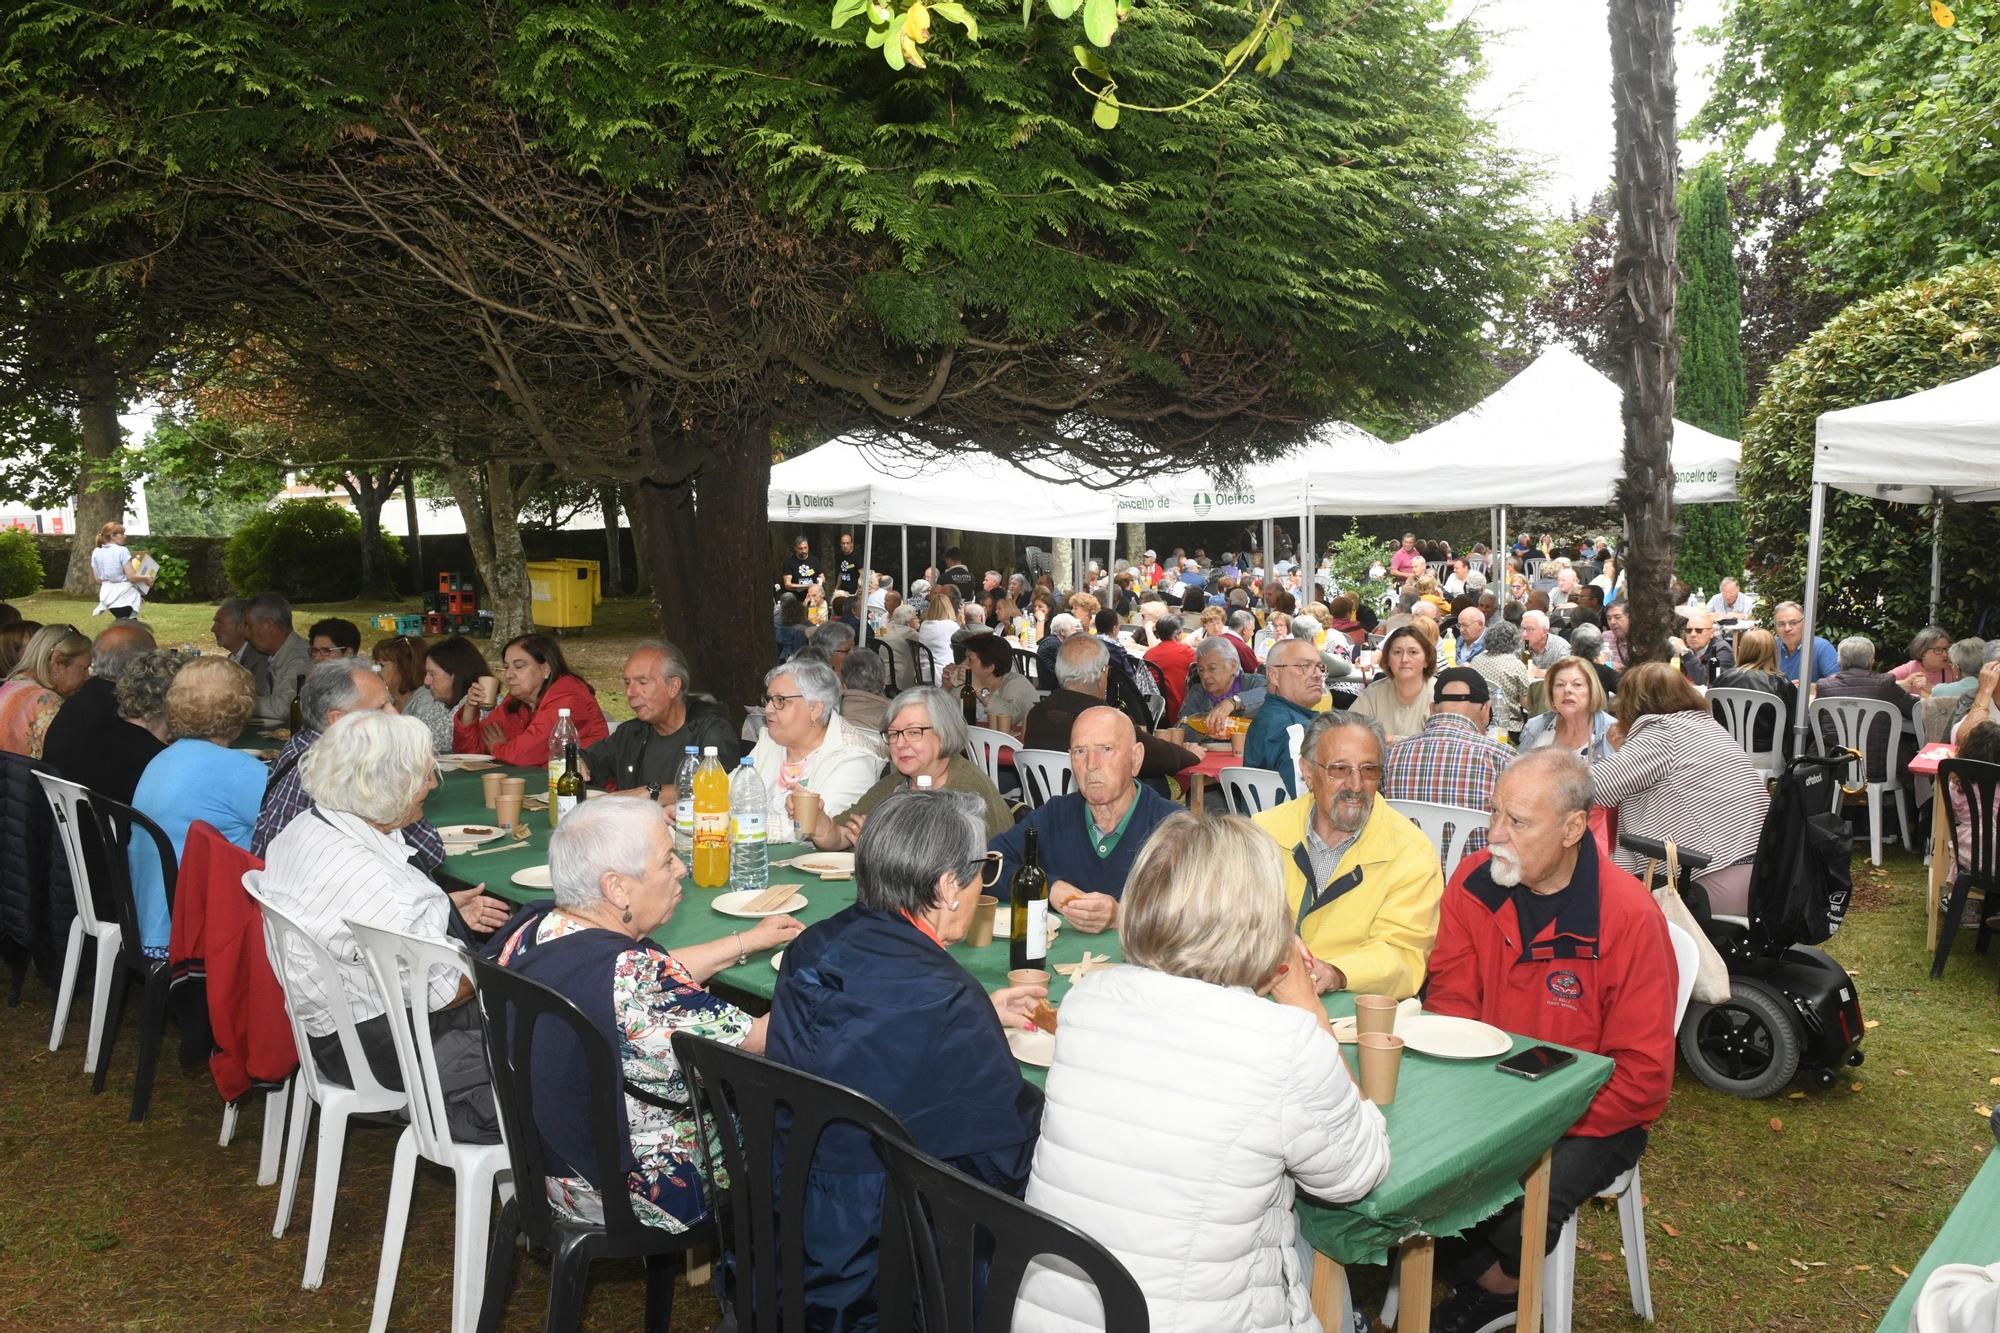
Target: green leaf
{"x":892,"y":40}
{"x":1867,"y":168}
{"x":1105,"y":114}
{"x":1092,"y":62}
{"x":1927,"y":180}
{"x":1062,"y":9}
{"x":1100,"y":22}
{"x":878,"y":34}
{"x":956,"y":13}
{"x":844,"y":10}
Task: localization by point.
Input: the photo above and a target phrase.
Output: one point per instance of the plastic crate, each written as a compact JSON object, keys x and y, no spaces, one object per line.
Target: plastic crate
{"x":385,"y":622}
{"x":409,"y":626}
{"x":456,"y":582}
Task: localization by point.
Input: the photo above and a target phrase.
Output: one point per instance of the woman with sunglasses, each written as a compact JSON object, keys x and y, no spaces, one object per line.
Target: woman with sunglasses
{"x":926,"y":736}
{"x":806,"y":744}
{"x":872,"y":998}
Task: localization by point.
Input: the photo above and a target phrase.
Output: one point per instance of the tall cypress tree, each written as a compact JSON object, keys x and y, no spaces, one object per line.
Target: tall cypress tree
{"x":1710,"y":391}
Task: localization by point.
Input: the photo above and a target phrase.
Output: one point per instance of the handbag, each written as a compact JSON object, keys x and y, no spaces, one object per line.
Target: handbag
{"x":1711,"y":974}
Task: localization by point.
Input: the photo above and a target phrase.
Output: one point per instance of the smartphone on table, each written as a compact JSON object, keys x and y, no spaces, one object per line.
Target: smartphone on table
{"x":1536,"y":1062}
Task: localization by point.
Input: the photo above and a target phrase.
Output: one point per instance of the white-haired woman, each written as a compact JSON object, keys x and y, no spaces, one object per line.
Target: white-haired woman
{"x":616,"y":880}
{"x":926,"y":739}
{"x":807,"y":744}
{"x":1191,"y":1185}
{"x":342,"y":860}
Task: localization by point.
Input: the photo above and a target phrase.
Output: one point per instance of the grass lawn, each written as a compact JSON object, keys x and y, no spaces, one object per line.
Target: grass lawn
{"x":1789,"y":1214}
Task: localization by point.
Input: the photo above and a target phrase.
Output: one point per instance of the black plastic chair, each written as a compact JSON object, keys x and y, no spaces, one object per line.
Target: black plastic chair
{"x":925,"y":665}
{"x":1980,"y":784}
{"x":888,"y":656}
{"x":976,"y":1243}
{"x":514,"y":1008}
{"x":116,"y":824}
{"x":737,"y":1097}
{"x":1030,"y":665}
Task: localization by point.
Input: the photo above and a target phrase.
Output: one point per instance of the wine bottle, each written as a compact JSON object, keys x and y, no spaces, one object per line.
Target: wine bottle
{"x":1029,"y":943}
{"x":569,"y":784}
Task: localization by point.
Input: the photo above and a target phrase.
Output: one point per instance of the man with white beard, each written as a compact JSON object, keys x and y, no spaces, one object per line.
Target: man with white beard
{"x":1543,"y":935}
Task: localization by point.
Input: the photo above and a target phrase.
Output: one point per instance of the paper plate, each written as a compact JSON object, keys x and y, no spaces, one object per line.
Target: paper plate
{"x":469,"y":834}
{"x":825,"y":863}
{"x":465,"y":760}
{"x":1032,"y":1048}
{"x":778,"y":960}
{"x":532,"y":877}
{"x":1453,"y":1038}
{"x":734,"y":904}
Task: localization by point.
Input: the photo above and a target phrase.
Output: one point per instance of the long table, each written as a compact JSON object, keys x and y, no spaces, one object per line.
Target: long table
{"x":1465,"y":1140}
{"x":1971,"y":1235}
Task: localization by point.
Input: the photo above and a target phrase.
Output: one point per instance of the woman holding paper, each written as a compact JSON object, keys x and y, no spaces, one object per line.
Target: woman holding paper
{"x":122,"y":582}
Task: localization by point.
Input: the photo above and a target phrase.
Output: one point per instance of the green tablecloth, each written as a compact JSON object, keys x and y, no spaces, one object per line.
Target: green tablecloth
{"x":1462,"y":1135}
{"x":1971,"y":1235}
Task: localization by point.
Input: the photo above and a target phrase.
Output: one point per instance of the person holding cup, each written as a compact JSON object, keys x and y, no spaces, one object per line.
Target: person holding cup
{"x":873,"y":998}
{"x":926,"y":739}
{"x":539,"y":684}
{"x":807,"y":750}
{"x":453,"y":672}
{"x":1003,"y":694}
{"x":1193,"y":1185}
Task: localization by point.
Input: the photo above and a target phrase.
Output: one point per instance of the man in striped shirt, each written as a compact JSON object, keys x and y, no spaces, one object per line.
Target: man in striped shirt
{"x":1451,"y":761}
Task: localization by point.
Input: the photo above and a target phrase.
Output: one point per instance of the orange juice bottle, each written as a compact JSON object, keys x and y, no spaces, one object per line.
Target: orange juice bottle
{"x":711,"y":823}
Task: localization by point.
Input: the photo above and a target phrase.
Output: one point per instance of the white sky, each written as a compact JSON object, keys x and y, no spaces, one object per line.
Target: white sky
{"x":1549,"y":84}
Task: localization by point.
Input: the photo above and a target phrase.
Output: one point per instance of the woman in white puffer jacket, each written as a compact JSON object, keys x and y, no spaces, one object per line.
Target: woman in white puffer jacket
{"x":1185,"y":1109}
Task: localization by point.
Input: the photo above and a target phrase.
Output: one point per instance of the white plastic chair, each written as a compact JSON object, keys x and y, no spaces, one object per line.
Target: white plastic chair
{"x":68,"y":800}
{"x":276,"y":1100}
{"x":1045,"y":775}
{"x":1251,"y":791}
{"x":1449,"y":827}
{"x":1851,"y":721}
{"x":284,"y":942}
{"x":1739,"y":710}
{"x":1559,"y":1278}
{"x":983,"y":746}
{"x":401,"y":965}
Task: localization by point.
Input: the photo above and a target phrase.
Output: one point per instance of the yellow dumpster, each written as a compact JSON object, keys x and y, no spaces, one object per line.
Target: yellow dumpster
{"x":563,"y":593}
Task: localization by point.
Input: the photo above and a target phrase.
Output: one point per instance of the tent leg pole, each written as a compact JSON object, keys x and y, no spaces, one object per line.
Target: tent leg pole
{"x":903,"y":569}
{"x":867,"y":584}
{"x":1497,"y":567}
{"x":1937,"y":554}
{"x":934,"y":557}
{"x":1817,"y":526}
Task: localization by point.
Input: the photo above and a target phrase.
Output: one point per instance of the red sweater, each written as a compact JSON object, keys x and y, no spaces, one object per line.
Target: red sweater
{"x":1173,"y":659}
{"x":1598,"y":978}
{"x":527,"y":738}
{"x":218,"y":932}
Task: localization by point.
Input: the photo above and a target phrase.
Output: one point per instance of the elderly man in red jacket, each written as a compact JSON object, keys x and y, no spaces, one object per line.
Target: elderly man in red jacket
{"x":1545,"y":936}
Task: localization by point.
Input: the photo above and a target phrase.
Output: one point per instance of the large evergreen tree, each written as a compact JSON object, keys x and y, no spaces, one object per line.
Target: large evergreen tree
{"x":1708,"y":310}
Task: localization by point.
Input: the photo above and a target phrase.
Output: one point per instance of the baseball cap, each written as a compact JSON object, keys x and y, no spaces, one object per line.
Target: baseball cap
{"x":1151,"y":555}
{"x":1474,"y":691}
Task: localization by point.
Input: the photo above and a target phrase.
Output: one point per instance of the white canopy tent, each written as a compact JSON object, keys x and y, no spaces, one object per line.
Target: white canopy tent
{"x":1929,"y":447}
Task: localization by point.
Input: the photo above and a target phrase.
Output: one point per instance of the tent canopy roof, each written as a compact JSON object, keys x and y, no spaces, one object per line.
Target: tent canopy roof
{"x":845,"y":482}
{"x":1939,"y":443}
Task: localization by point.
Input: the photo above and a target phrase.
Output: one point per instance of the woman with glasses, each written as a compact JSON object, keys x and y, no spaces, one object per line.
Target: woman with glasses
{"x":871,"y":998}
{"x":53,"y":666}
{"x":1400,"y":701}
{"x":926,"y":736}
{"x":806,"y":744}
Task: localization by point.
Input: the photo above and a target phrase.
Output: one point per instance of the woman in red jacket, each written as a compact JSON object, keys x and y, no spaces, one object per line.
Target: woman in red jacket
{"x":539,"y":684}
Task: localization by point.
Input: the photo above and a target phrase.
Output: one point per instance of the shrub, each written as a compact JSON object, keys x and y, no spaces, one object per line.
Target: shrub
{"x":173,"y":583}
{"x":309,"y":550}
{"x":1875,"y":559}
{"x":20,"y":564}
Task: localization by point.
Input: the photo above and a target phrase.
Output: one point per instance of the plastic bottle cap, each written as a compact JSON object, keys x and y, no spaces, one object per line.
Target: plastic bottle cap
{"x":708,"y":749}
{"x":562,"y":712}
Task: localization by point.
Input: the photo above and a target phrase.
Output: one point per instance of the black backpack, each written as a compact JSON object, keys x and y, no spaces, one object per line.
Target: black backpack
{"x":1801,"y":883}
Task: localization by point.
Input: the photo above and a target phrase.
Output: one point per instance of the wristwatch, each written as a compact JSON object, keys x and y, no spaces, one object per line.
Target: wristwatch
{"x":653,"y":789}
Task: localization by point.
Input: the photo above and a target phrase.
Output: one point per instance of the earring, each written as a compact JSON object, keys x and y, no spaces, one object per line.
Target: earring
{"x":953,"y":904}
{"x":628,"y":916}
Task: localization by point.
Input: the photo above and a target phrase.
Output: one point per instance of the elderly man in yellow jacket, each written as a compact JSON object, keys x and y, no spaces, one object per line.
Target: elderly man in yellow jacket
{"x":1362,"y":880}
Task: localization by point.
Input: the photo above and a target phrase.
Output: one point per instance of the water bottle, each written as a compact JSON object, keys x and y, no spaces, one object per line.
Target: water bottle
{"x":749,"y":865}
{"x":684,"y":801}
{"x":562,"y":739}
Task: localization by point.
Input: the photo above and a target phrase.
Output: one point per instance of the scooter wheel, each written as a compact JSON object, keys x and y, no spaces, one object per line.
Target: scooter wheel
{"x":1824,"y":1078}
{"x":1747,"y":1046}
{"x":1856,"y":1056}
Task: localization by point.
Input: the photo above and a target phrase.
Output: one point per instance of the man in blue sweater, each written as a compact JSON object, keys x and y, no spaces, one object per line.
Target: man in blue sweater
{"x":1296,"y":683}
{"x":1090,"y":837}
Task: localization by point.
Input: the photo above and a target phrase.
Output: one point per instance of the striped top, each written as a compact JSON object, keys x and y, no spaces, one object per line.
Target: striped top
{"x":1680,"y":777}
{"x":327,"y":868}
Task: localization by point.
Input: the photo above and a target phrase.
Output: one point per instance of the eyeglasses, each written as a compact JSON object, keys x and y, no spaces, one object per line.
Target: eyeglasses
{"x":330,"y":650}
{"x":1316,"y":668}
{"x":910,"y":734}
{"x":776,"y":703}
{"x":989,"y":869}
{"x":1348,"y":772}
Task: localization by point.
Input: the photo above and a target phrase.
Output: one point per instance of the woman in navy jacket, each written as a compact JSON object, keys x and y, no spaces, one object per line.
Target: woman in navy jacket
{"x":871,"y":999}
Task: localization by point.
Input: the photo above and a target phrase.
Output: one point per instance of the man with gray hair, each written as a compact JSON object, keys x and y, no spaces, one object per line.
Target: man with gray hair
{"x":233,"y":636}
{"x":267,"y":619}
{"x":332,"y":691}
{"x":87,"y":741}
{"x":862,"y":699}
{"x":1545,"y":648}
{"x":835,"y":639}
{"x":1857,"y":678}
{"x":1082,"y":676}
{"x":1706,"y":653}
{"x":1542,"y":934}
{"x":643,"y":754}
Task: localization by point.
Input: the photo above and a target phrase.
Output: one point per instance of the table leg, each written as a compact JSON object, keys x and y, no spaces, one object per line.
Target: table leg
{"x":1534,"y":1232}
{"x":1329,"y":1290}
{"x":1413,"y":1285}
{"x":1934,"y":892}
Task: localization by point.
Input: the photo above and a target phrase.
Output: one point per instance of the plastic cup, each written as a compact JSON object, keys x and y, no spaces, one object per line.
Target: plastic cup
{"x":489,"y":691}
{"x":1374,"y":1013}
{"x":805,"y":812}
{"x":1001,"y":722}
{"x":489,"y":787}
{"x":1381,"y":1060}
{"x":980,"y":933}
{"x":1027,"y":976}
{"x":507,"y":810}
{"x":1236,"y":739}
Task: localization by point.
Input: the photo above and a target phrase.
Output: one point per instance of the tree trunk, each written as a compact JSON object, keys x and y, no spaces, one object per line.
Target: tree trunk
{"x":1135,"y":542}
{"x":415,"y":545}
{"x":100,"y":498}
{"x":490,"y":499}
{"x":367,"y":508}
{"x":1645,"y":355}
{"x":706,"y":548}
{"x":642,"y":581}
{"x":1062,"y":560}
{"x":614,"y":549}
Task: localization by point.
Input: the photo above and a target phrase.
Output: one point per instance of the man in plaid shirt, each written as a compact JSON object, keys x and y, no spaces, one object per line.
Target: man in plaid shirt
{"x":1451,"y":761}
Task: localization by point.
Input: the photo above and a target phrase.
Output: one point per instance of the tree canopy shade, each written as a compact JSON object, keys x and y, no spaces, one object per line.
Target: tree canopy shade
{"x":1875,"y":555}
{"x":668,"y":237}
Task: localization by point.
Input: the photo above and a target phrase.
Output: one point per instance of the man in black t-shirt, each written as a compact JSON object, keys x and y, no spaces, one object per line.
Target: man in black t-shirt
{"x":958,"y":576}
{"x":798,"y":573}
{"x":847,"y":569}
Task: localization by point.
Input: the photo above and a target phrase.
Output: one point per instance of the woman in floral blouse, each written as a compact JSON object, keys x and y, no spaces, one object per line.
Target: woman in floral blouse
{"x":616,"y":880}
